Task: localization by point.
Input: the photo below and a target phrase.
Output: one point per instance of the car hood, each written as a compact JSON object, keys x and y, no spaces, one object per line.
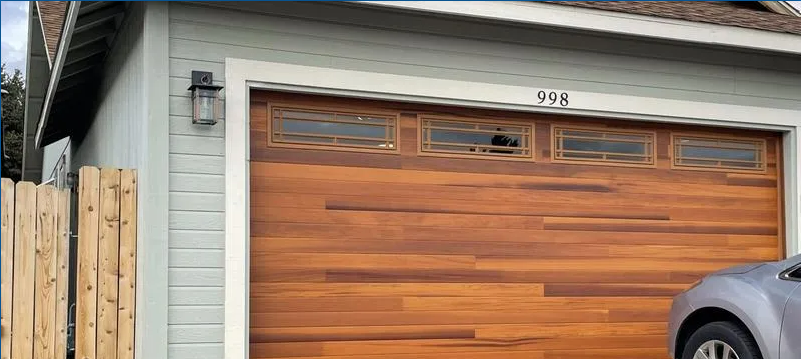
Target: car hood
{"x":745,"y":268}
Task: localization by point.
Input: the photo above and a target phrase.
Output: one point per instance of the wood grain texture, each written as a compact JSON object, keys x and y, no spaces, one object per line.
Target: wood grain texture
{"x":88,"y":235}
{"x":7,"y":259}
{"x":361,"y":255}
{"x":62,"y":272}
{"x":45,"y":285}
{"x":127,"y":271}
{"x":22,"y":322}
{"x":108,"y":263}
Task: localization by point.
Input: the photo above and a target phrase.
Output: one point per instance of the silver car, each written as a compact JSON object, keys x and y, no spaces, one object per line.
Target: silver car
{"x":746,"y":312}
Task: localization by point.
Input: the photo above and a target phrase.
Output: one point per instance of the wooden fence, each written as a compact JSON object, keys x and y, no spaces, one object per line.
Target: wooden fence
{"x":36,"y":261}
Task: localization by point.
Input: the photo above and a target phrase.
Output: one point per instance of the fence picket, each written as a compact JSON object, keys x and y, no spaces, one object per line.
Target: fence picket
{"x":24,"y":271}
{"x":7,"y":253}
{"x":45,"y":280}
{"x":127,"y":292}
{"x":108,"y":269}
{"x":86,"y":292}
{"x":36,"y":256}
{"x":62,"y":277}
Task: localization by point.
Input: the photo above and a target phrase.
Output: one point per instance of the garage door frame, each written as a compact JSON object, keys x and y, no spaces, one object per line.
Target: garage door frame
{"x":242,"y":75}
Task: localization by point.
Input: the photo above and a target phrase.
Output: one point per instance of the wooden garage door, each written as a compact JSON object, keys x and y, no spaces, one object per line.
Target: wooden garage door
{"x":368,"y":247}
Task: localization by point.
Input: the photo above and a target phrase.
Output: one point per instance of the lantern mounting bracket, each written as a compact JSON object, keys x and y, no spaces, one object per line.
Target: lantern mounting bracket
{"x":203,"y":79}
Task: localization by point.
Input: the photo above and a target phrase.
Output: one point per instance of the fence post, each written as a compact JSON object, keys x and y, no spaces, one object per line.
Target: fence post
{"x":7,"y":228}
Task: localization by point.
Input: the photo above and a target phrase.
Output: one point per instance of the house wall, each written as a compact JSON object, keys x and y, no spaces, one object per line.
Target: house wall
{"x":356,"y":38}
{"x":117,"y":122}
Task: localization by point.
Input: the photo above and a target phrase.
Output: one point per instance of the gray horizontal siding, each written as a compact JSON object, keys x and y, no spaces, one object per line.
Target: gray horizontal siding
{"x":119,"y":116}
{"x":202,"y":37}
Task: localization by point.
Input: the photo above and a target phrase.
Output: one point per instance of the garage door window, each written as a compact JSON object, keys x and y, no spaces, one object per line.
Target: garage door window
{"x":312,"y":128}
{"x":603,"y":146}
{"x":475,"y":139}
{"x":692,"y":152}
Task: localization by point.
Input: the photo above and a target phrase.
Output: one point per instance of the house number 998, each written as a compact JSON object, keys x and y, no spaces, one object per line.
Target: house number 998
{"x":553,"y":98}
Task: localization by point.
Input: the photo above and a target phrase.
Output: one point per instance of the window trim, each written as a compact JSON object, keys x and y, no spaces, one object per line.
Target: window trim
{"x":485,"y":121}
{"x":573,"y":127}
{"x":707,"y":136}
{"x":326,"y":109}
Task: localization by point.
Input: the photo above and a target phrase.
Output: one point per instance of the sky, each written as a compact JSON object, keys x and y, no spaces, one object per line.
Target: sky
{"x":13,"y":33}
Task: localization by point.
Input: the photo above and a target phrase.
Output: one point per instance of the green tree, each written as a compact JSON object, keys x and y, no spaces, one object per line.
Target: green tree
{"x":13,"y":117}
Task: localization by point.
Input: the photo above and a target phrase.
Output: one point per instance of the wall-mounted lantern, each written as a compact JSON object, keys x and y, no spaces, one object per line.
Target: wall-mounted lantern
{"x":206,"y":106}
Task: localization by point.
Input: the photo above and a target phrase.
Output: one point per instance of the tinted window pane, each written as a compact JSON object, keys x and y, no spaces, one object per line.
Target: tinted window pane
{"x":719,"y":153}
{"x":333,"y":129}
{"x":603,"y":146}
{"x":475,"y":138}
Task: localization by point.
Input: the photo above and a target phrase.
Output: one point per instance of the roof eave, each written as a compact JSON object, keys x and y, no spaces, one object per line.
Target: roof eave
{"x":583,"y":19}
{"x":55,"y":71}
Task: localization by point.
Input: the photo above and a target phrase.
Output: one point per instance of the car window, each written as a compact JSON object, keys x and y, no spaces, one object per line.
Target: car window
{"x":796,"y":274}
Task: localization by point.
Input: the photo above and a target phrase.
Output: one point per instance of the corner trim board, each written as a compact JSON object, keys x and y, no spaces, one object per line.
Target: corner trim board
{"x":243,"y":75}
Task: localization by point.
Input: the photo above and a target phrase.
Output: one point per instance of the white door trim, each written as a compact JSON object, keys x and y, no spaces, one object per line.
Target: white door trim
{"x":242,"y":75}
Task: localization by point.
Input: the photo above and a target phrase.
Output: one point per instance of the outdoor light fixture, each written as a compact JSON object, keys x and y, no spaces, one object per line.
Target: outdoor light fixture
{"x":205,"y":99}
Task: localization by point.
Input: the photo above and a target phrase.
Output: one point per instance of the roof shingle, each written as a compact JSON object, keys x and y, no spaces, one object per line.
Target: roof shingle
{"x":51,"y":14}
{"x":730,"y":13}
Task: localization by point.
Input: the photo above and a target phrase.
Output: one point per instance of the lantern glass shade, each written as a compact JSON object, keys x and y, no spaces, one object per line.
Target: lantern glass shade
{"x":206,"y":103}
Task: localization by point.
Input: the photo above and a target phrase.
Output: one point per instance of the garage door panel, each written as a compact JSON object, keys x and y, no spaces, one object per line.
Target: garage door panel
{"x":288,"y":275}
{"x":531,"y":303}
{"x":548,"y":354}
{"x":408,"y":161}
{"x":325,"y":334}
{"x":405,"y":255}
{"x":511,"y":196}
{"x":449,"y":317}
{"x":379,"y":261}
{"x":641,"y":225}
{"x":534,"y":263}
{"x":562,"y":330}
{"x":397,"y":289}
{"x":262,"y":171}
{"x":413,"y":233}
{"x":293,"y":156}
{"x":511,"y":276}
{"x":612,"y":289}
{"x":263,"y":248}
{"x":455,"y":347}
{"x":266,"y":304}
{"x":482,"y":331}
{"x":739,"y":179}
{"x":355,"y":217}
{"x":260,"y":201}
